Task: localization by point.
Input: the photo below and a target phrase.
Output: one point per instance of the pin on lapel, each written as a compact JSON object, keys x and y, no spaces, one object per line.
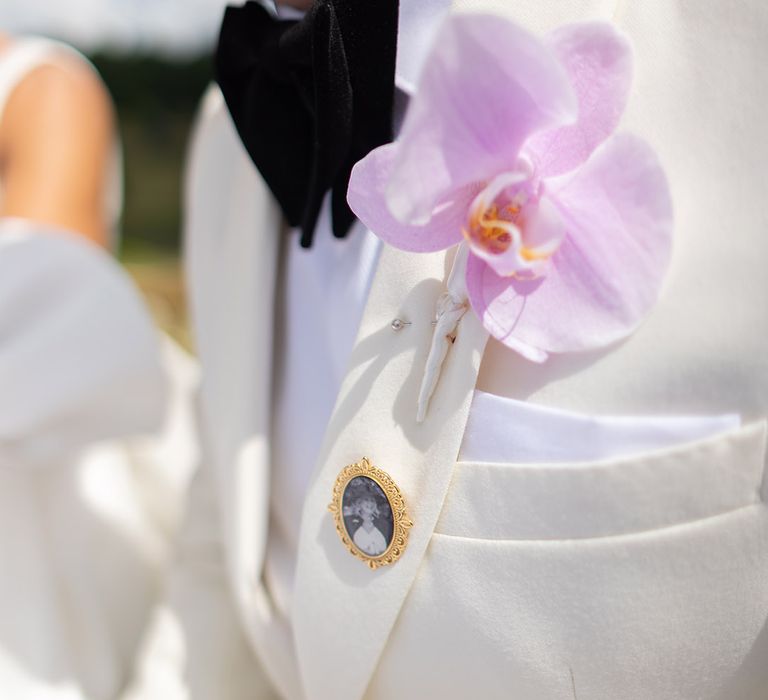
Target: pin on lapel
{"x":370,"y":514}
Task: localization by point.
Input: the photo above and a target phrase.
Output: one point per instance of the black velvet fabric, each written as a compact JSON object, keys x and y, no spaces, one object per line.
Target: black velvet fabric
{"x":310,"y":98}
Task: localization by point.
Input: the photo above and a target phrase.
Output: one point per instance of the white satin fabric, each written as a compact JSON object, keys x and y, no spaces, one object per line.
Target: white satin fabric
{"x":95,"y":450}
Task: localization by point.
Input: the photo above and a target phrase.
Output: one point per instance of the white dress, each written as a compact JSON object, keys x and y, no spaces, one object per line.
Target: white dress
{"x":95,"y":452}
{"x":372,"y":542}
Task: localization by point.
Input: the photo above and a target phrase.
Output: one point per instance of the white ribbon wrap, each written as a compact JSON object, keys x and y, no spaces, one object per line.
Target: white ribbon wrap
{"x":451,"y":306}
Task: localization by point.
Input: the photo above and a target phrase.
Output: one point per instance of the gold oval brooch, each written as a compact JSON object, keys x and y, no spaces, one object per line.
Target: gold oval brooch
{"x":370,"y":514}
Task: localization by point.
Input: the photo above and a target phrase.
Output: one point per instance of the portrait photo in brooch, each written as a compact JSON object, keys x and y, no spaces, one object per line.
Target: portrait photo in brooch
{"x":367,"y":516}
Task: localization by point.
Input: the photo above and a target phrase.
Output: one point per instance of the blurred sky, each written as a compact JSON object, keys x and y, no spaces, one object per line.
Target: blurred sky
{"x":164,"y":26}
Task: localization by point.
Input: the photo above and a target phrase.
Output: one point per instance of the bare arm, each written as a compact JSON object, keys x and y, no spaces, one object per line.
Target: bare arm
{"x":56,"y":138}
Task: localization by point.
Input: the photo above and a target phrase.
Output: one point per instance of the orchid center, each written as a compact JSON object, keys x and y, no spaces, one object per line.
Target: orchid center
{"x":513,"y":226}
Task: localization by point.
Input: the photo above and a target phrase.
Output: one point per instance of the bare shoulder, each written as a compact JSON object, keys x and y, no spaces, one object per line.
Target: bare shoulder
{"x":64,"y":98}
{"x":56,"y":139}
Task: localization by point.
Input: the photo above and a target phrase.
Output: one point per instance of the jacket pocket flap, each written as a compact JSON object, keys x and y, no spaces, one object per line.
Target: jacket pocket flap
{"x":645,"y":491}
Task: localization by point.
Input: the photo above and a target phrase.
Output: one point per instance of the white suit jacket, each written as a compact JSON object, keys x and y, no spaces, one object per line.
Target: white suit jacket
{"x":638,"y":577}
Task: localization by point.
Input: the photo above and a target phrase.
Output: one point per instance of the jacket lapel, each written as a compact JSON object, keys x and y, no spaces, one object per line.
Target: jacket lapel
{"x":231,"y":253}
{"x":343,"y":611}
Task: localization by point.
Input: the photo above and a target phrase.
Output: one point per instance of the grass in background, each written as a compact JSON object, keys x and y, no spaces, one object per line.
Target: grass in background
{"x":156,"y":100}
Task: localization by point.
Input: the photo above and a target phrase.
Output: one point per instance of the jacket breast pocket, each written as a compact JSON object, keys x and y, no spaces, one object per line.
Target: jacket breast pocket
{"x":634,"y":577}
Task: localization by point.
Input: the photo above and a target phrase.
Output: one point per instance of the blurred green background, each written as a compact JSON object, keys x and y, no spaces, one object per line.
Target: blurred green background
{"x":156,"y":98}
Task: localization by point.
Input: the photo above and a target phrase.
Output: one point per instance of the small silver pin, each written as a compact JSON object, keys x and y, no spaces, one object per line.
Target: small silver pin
{"x":398,"y":324}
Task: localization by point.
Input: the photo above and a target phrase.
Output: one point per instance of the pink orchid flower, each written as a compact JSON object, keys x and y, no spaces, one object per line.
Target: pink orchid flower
{"x":508,"y":146}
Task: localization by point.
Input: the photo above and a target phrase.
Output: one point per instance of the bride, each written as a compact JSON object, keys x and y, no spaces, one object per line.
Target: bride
{"x":94,"y":448}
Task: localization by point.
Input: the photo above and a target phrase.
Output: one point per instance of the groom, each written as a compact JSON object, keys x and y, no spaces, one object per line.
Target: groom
{"x":639,"y":572}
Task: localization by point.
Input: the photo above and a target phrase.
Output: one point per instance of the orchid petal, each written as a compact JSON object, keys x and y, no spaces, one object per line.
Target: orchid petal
{"x":605,"y":276}
{"x":366,"y":199}
{"x":487,"y":86}
{"x":598,"y":60}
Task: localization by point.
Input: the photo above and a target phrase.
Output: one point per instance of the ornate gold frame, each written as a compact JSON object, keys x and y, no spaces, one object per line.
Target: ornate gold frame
{"x":400,"y":520}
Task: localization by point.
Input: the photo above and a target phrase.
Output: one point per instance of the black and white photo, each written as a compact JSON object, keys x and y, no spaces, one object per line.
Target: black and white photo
{"x":367,"y":516}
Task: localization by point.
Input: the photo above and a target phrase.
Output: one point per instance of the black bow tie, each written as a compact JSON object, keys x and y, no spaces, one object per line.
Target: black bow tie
{"x":310,"y":98}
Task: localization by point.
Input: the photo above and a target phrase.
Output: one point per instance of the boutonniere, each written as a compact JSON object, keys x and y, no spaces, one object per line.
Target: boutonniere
{"x":508,"y":148}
